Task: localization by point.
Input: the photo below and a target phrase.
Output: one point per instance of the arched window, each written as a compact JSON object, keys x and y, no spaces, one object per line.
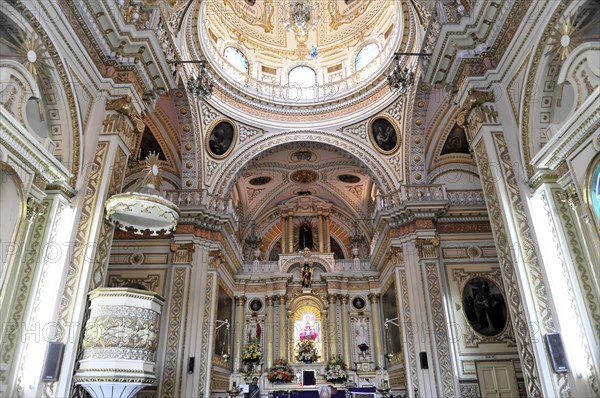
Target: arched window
{"x":236,"y":58}
{"x":367,"y":54}
{"x":300,"y":81}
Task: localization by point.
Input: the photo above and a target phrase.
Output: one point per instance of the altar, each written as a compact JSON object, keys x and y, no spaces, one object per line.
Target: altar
{"x":357,"y":392}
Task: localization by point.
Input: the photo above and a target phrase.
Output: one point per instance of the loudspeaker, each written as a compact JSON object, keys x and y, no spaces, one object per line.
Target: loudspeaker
{"x":423,"y":358}
{"x":52,"y":362}
{"x":557,"y":352}
{"x":191,"y":362}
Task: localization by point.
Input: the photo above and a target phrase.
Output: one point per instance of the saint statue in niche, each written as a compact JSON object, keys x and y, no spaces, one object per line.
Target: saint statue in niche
{"x":309,"y":331}
{"x":306,"y":275}
{"x":254,"y":329}
{"x":305,"y":237}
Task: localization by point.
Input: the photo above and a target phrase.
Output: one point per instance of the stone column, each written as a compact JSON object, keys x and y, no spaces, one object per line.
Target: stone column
{"x":345,"y":331}
{"x":284,"y":239}
{"x":283,"y":343}
{"x":238,"y":344}
{"x":321,"y":232}
{"x":327,"y":235}
{"x":376,"y":319}
{"x":270,"y":331}
{"x":291,"y":233}
{"x":332,"y":298}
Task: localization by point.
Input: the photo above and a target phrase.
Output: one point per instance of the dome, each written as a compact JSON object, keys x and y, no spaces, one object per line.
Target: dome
{"x":299,"y":53}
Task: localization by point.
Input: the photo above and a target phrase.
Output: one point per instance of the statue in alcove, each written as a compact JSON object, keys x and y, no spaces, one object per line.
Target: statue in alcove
{"x":306,"y":275}
{"x":305,"y":238}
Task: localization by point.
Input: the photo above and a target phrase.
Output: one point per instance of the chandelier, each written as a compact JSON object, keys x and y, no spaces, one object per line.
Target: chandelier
{"x":399,"y":78}
{"x":300,"y":20}
{"x":201,"y":85}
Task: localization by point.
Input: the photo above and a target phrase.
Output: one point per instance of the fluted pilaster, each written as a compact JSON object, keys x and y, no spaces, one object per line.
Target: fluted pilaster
{"x":332,"y":325}
{"x":270,"y":331}
{"x":345,"y":330}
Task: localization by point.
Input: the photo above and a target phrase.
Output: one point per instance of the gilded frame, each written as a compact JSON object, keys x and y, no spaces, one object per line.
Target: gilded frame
{"x":210,"y":131}
{"x":375,"y":144}
{"x":587,"y":191}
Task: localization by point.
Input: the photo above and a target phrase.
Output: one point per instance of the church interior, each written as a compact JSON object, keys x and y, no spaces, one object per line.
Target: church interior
{"x":300,"y":198}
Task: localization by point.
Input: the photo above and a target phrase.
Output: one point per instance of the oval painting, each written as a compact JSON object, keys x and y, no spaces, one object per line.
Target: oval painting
{"x":384,"y":135}
{"x":221,"y":139}
{"x":484,"y":306}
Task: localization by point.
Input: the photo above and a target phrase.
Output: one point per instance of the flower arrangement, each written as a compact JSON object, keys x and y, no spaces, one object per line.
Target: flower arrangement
{"x":335,"y":371}
{"x":252,"y":351}
{"x":307,"y":352}
{"x":280,"y":372}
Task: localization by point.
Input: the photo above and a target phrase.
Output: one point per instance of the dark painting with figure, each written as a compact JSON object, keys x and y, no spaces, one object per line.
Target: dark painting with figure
{"x":221,"y":138}
{"x":484,"y":306}
{"x":456,"y":141}
{"x":384,"y":135}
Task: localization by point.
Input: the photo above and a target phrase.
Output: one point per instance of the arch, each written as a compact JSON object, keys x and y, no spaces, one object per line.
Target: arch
{"x":233,"y":166}
{"x":307,"y":303}
{"x":545,"y":71}
{"x":12,"y":193}
{"x":59,"y":77}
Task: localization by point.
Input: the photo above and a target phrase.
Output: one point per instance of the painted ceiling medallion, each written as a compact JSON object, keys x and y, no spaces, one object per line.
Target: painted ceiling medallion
{"x":262,"y":180}
{"x":349,"y":178}
{"x":304,"y":176}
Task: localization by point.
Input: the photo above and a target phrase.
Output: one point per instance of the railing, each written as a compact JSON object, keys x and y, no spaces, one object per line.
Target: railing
{"x":410,"y":194}
{"x":308,"y":95}
{"x":352,"y":265}
{"x":466,"y":198}
{"x":203,"y":199}
{"x":339,"y":266}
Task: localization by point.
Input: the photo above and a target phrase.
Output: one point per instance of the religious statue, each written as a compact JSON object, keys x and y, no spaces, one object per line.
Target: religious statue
{"x":254,"y":329}
{"x":308,"y":331}
{"x":306,"y":275}
{"x":361,"y":331}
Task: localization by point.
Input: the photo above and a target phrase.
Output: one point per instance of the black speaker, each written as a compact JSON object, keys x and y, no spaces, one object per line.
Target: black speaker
{"x":191,"y":362}
{"x":52,"y":362}
{"x":557,"y":352}
{"x":423,"y":358}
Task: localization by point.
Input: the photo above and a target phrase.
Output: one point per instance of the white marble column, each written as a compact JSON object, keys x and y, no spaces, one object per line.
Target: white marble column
{"x":270,"y":338}
{"x":346,"y":331}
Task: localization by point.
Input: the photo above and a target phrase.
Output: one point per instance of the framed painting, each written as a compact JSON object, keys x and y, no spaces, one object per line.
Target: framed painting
{"x":384,"y":134}
{"x":591,"y":190}
{"x":484,"y":306}
{"x":221,"y":138}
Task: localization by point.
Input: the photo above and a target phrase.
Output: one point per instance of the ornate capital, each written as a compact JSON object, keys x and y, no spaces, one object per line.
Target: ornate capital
{"x":34,"y":209}
{"x":474,"y":113}
{"x":270,"y":300}
{"x":344,"y":299}
{"x":241,"y":300}
{"x":569,"y":195}
{"x":215,"y":259}
{"x":332,"y":298}
{"x":373,"y":297}
{"x":282,"y":299}
{"x":182,"y":253}
{"x":427,"y":247}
